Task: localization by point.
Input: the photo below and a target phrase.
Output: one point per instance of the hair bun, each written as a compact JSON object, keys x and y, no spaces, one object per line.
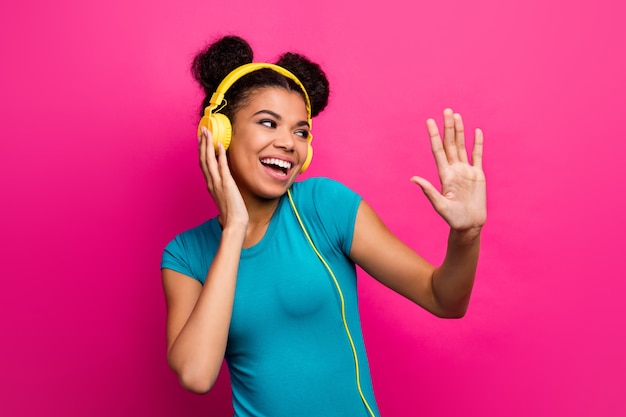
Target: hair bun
{"x":212,"y":64}
{"x":312,"y":78}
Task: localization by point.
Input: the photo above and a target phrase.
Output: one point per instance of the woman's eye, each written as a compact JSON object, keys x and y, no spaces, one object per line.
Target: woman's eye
{"x":268,"y":123}
{"x":302,"y":133}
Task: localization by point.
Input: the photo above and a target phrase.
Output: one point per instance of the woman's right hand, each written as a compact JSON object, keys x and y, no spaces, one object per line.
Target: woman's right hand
{"x":220,"y":182}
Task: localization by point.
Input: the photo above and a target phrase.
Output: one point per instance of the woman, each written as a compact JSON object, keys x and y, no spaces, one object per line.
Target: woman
{"x":270,"y":283}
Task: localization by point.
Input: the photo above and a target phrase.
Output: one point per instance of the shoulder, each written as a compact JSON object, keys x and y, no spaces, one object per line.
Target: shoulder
{"x":327,"y":204}
{"x":188,"y":252}
{"x":323,"y":188}
{"x":195,"y":235}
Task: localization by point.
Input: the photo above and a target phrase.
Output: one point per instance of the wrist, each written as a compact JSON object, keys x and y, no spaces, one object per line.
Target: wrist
{"x":466,"y":236}
{"x":234,"y":229}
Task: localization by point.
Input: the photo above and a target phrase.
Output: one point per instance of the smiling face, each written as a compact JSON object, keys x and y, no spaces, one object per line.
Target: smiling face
{"x":269,"y":143}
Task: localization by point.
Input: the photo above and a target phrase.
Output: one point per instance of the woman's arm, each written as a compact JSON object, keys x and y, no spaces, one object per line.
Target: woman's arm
{"x":445,"y":290}
{"x":198,"y":316}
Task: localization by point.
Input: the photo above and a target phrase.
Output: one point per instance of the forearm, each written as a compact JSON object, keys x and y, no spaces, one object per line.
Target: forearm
{"x":197,"y":353}
{"x":453,"y":281}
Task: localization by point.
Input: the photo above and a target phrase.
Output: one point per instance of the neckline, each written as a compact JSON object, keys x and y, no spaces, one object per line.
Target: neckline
{"x":269,"y":233}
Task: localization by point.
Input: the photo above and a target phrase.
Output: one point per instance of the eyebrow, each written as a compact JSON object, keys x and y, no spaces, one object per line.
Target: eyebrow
{"x":279,"y":117}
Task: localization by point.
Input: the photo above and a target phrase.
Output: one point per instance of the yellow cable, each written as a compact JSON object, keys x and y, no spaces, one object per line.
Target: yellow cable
{"x":343,"y":307}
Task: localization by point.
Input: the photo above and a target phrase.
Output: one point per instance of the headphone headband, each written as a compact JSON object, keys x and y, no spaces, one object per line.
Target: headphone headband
{"x":237,"y":73}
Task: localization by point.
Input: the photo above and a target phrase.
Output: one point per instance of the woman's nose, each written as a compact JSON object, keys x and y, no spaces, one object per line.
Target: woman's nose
{"x":284,"y":139}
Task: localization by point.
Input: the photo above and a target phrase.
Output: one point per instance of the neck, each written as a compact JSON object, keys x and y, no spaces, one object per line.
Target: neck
{"x":260,"y":214}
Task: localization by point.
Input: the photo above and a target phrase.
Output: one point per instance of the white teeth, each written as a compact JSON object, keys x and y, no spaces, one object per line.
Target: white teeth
{"x":277,"y":162}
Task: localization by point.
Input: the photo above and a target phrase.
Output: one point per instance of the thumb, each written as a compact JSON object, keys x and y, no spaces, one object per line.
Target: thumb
{"x":429,"y":190}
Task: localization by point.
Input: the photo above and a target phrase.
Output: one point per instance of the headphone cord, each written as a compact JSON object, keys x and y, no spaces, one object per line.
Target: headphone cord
{"x":343,"y":305}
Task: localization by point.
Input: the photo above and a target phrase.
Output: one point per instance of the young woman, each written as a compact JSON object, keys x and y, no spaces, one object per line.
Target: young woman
{"x":270,"y":283}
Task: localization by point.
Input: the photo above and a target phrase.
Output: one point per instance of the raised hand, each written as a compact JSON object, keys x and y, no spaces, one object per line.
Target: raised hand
{"x":462,"y":200}
{"x":220,"y":182}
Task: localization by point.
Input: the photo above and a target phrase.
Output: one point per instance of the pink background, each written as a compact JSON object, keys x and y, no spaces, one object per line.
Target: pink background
{"x":98,"y":171}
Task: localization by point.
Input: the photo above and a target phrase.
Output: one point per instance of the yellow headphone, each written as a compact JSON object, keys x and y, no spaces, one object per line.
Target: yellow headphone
{"x":218,"y":123}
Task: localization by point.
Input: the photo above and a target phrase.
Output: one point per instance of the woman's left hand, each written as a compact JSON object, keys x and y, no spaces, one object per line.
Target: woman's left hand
{"x":462,"y":200}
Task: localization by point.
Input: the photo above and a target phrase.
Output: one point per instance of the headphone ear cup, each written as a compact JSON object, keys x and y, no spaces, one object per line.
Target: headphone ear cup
{"x":222,"y":130}
{"x":309,"y":155}
{"x":219,"y":125}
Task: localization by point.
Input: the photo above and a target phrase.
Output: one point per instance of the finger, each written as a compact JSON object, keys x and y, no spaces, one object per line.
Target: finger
{"x":449,"y":136}
{"x":222,"y":162}
{"x":477,"y":152}
{"x":433,"y":195}
{"x":211,"y":160}
{"x":202,"y":143}
{"x":436,"y":145}
{"x":459,"y":130}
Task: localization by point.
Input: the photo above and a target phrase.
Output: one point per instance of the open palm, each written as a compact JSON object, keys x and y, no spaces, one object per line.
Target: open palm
{"x":462,"y":200}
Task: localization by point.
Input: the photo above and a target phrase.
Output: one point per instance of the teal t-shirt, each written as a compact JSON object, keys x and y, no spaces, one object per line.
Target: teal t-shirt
{"x":288,"y":353}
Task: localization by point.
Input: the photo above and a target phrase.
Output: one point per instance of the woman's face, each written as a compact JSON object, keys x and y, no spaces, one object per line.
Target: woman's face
{"x":269,"y":143}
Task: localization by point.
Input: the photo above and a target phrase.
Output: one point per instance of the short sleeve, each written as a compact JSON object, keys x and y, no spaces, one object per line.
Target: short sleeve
{"x":174,"y":257}
{"x":191,"y":252}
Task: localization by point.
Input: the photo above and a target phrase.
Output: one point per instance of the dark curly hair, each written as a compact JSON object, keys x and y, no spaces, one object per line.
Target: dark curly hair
{"x":211,"y":65}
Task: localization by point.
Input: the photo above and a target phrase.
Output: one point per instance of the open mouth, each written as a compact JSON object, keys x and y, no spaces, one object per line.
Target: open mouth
{"x":278,"y":165}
